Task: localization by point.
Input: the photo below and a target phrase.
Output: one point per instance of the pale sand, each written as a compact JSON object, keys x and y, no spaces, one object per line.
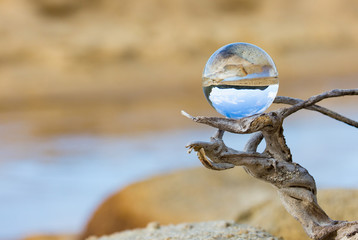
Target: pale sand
{"x":216,"y":230}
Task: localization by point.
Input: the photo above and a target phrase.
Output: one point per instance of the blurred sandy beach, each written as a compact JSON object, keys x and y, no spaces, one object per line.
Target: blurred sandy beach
{"x":85,"y":83}
{"x":110,"y":67}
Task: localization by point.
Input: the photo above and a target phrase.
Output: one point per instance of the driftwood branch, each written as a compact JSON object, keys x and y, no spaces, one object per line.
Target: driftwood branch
{"x":296,"y":187}
{"x":317,"y":98}
{"x":317,"y":108}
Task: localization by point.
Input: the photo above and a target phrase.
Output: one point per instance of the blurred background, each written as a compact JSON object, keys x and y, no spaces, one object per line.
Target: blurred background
{"x":91,"y":93}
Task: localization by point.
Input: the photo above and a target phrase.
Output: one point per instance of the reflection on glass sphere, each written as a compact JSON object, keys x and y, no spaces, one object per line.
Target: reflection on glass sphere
{"x":240,"y":80}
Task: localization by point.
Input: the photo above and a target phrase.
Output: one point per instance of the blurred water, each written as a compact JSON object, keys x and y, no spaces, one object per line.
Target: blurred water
{"x":52,"y":185}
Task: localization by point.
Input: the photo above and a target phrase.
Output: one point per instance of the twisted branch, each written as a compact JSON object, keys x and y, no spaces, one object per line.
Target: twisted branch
{"x":296,"y":187}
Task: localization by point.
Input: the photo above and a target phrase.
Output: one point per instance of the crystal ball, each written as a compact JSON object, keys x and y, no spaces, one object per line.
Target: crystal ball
{"x":240,"y":80}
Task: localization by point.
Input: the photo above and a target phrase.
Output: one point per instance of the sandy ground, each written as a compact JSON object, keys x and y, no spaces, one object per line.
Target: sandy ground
{"x":219,"y":230}
{"x":109,"y":67}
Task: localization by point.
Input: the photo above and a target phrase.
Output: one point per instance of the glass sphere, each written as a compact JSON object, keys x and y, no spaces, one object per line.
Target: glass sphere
{"x":240,"y":80}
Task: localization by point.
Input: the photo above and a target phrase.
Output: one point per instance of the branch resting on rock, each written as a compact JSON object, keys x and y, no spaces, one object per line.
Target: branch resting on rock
{"x":296,"y":187}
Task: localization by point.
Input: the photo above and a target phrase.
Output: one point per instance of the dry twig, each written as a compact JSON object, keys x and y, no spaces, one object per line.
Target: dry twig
{"x":296,"y":187}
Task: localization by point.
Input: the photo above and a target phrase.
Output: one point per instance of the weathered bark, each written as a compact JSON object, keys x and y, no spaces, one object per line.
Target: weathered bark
{"x":296,"y":187}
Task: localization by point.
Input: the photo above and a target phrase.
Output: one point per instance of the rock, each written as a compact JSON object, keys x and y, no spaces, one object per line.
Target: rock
{"x":339,"y":204}
{"x":51,"y":237}
{"x":202,"y":195}
{"x":185,"y":196}
{"x":219,"y":230}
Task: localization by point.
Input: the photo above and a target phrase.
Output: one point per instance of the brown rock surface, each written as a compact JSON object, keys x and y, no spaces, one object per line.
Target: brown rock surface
{"x":51,"y":237}
{"x":186,"y":196}
{"x":202,"y":195}
{"x":339,"y":204}
{"x":218,"y":230}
